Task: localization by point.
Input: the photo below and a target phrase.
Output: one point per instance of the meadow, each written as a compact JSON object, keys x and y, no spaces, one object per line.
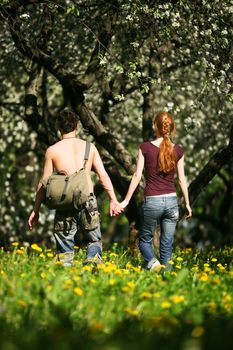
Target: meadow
{"x":116,"y":305}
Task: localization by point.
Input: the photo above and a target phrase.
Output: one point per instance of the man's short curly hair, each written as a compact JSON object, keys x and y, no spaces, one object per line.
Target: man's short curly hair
{"x":67,"y":120}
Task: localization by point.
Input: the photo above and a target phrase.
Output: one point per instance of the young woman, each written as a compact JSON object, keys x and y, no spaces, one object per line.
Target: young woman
{"x":161,"y":158}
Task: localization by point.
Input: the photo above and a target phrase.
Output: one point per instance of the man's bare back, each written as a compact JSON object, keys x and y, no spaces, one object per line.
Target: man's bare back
{"x":68,"y":155}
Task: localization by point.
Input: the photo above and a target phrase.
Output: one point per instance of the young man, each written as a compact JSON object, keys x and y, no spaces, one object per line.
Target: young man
{"x":67,"y":156}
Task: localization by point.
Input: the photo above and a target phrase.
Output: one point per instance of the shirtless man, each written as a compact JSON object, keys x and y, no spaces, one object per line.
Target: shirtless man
{"x":68,"y":155}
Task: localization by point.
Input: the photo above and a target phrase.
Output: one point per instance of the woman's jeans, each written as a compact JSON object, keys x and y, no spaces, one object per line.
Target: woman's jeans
{"x":161,"y":211}
{"x":66,"y":225}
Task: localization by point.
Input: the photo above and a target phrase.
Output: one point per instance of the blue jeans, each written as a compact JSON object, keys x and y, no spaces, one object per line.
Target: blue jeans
{"x":66,"y":225}
{"x":163,"y":211}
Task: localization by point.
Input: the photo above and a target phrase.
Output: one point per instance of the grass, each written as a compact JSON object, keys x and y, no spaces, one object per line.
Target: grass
{"x":117,"y":305}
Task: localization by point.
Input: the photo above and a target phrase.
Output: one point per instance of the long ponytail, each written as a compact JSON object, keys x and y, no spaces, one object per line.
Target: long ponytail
{"x":164,"y":125}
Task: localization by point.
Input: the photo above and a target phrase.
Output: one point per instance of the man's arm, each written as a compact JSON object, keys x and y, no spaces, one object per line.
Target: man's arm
{"x":48,"y":169}
{"x":105,"y":182}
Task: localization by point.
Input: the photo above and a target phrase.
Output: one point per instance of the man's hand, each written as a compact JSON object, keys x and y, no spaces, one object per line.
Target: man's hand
{"x":33,"y":219}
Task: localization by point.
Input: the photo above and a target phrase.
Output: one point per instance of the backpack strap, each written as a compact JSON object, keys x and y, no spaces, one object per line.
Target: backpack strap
{"x":86,"y":155}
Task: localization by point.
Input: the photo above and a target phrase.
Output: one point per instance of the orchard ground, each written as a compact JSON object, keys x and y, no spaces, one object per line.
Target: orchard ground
{"x":116,"y":305}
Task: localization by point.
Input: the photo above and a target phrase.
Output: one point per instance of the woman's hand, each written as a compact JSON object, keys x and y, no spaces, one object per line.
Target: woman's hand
{"x":188,"y":211}
{"x":124,"y":204}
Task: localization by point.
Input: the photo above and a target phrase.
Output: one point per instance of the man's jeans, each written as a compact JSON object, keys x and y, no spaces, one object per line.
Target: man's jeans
{"x":66,"y":225}
{"x":161,"y":211}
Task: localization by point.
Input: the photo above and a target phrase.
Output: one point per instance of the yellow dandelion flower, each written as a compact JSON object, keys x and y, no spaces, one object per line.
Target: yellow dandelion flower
{"x":178,"y":267}
{"x":216,"y":280}
{"x":179,"y":258}
{"x":171,"y":262}
{"x":131,"y":312}
{"x":78,"y":291}
{"x":138,"y":269}
{"x":176,"y":299}
{"x":212,"y":306}
{"x":173,"y":273}
{"x":214,"y":260}
{"x":22,"y":303}
{"x":15,"y":244}
{"x":112,"y":282}
{"x":76,"y":278}
{"x":68,"y":282}
{"x":198,"y":332}
{"x":145,"y":295}
{"x":227,"y":297}
{"x":207,"y":269}
{"x":42,"y":255}
{"x":131,"y":284}
{"x":166,"y":304}
{"x":49,"y":287}
{"x":156,"y":295}
{"x":162,"y":267}
{"x":42,"y":275}
{"x":129,"y":265}
{"x":101,"y":267}
{"x":113,"y":254}
{"x":119,"y":272}
{"x":20,"y":252}
{"x":50,"y":255}
{"x":109,"y":267}
{"x":206,"y":265}
{"x":195,"y":268}
{"x":204,"y":277}
{"x":92,"y":281}
{"x":35,"y":246}
{"x":87,"y":268}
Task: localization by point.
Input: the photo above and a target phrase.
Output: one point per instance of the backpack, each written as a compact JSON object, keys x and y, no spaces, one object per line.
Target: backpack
{"x":67,"y":192}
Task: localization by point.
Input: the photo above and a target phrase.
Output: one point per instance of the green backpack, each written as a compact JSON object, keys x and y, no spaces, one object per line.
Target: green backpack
{"x":65,"y":192}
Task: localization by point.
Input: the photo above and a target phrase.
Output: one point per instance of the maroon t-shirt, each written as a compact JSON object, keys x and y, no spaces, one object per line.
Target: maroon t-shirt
{"x":158,"y":183}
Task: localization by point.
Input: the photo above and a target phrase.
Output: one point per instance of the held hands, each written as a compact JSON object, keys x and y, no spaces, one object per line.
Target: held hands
{"x":117,"y":208}
{"x":33,"y":219}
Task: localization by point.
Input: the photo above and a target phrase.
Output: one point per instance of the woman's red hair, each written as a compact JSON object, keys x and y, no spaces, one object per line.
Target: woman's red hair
{"x":164,"y":126}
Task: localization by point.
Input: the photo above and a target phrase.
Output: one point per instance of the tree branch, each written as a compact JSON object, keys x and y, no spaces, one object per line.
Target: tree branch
{"x":102,"y":43}
{"x":216,"y":162}
{"x":104,"y":137}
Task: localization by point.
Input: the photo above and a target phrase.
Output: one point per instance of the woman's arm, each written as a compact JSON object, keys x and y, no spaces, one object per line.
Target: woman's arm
{"x":183,"y":186}
{"x":135,"y":179}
